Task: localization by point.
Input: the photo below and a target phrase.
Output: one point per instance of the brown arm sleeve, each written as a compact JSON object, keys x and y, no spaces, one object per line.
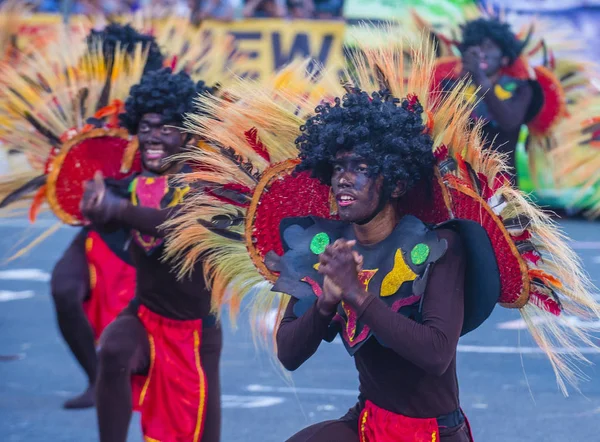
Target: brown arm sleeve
{"x":146,"y":220}
{"x":430,"y":345}
{"x":509,"y":114}
{"x":299,"y":338}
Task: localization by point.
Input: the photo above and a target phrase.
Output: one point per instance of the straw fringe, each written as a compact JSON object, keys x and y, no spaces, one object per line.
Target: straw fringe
{"x":276,"y":110}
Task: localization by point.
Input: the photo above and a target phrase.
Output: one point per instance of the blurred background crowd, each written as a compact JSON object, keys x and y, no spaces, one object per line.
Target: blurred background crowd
{"x":204,"y":9}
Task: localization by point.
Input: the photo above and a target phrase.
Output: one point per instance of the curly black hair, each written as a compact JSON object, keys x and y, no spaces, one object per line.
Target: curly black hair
{"x":386,"y":131}
{"x":473,"y":33}
{"x":161,"y":92}
{"x":128,"y":38}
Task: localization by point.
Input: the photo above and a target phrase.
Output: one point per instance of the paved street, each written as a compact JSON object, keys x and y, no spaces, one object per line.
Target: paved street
{"x":507,"y":395}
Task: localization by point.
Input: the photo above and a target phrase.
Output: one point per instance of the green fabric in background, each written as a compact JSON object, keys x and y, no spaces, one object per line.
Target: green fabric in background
{"x":436,"y":10}
{"x":440,"y":13}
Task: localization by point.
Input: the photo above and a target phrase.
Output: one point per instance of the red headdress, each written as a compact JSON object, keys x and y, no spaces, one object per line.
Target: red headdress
{"x":234,"y":226}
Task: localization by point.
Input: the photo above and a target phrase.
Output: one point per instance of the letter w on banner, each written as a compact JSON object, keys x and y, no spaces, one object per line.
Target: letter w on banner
{"x":265,"y":45}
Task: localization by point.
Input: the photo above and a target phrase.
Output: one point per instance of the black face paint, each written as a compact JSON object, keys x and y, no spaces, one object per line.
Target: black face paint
{"x":158,"y":141}
{"x":380,"y":206}
{"x":358,"y":194}
{"x":491,"y":57}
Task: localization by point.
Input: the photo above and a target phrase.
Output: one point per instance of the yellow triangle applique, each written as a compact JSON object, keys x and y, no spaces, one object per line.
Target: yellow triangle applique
{"x":400,"y":274}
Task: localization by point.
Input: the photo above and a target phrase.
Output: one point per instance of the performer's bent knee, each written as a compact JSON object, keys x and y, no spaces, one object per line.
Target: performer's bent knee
{"x":70,"y":281}
{"x":123,"y":346}
{"x":68,"y":292}
{"x":114,"y":357}
{"x":116,"y":353}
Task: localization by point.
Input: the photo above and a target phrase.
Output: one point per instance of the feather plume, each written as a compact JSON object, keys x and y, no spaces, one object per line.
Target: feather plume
{"x":276,"y":109}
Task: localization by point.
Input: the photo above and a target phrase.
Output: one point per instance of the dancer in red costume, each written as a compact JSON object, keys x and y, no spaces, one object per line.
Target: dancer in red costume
{"x":403,"y":332}
{"x":94,"y":279}
{"x":166,"y":338}
{"x":489,"y":50}
{"x":527,"y":85}
{"x":386,"y":222}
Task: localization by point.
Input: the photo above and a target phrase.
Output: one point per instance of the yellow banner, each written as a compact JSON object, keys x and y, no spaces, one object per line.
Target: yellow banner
{"x":264,"y":46}
{"x":261,"y":45}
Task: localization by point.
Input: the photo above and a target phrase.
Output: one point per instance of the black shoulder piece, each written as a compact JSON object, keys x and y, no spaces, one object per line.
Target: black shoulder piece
{"x":304,"y":239}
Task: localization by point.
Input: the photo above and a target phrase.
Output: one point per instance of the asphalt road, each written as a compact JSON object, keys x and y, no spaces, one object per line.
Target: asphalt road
{"x":507,"y":389}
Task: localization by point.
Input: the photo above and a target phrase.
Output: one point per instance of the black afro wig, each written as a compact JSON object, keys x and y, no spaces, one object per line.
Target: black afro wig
{"x":386,"y":131}
{"x":127,"y":37}
{"x":161,"y":92}
{"x":500,"y":33}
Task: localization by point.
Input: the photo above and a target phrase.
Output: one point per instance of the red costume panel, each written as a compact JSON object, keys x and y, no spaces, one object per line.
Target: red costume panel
{"x":379,"y":425}
{"x":112,"y":284}
{"x":175,"y":372}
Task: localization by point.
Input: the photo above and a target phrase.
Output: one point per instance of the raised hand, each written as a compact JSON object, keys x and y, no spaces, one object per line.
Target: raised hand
{"x":93,"y":194}
{"x":99,"y":204}
{"x":471,"y":61}
{"x":341,"y":266}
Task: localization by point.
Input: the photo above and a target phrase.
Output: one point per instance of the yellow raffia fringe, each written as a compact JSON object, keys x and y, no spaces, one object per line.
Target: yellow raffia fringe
{"x":37,"y":241}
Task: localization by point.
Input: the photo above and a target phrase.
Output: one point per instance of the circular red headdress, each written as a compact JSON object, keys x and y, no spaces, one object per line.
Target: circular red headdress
{"x":282,"y":194}
{"x":77,"y":162}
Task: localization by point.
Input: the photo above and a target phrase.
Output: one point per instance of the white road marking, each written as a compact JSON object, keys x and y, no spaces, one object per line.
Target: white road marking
{"x":521,"y":350}
{"x":7,"y":295}
{"x":493,"y":349}
{"x":227,"y":400}
{"x":519,"y":324}
{"x":25,"y":275}
{"x":255,"y":388}
{"x":585,"y":245}
{"x":234,"y":401}
{"x":64,"y":393}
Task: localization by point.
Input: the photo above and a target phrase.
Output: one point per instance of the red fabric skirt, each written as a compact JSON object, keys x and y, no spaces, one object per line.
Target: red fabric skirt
{"x":378,"y":425}
{"x":172,"y":396}
{"x":112,"y":284}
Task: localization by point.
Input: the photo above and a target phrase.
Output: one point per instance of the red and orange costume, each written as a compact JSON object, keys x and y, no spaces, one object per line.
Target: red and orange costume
{"x":265,"y":242}
{"x":553,"y":155}
{"x":56,"y":121}
{"x":65,"y":144}
{"x":161,"y":355}
{"x":164,"y":348}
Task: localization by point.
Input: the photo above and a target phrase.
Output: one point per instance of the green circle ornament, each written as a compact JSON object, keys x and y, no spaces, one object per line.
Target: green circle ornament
{"x":319,"y":242}
{"x":419,"y":254}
